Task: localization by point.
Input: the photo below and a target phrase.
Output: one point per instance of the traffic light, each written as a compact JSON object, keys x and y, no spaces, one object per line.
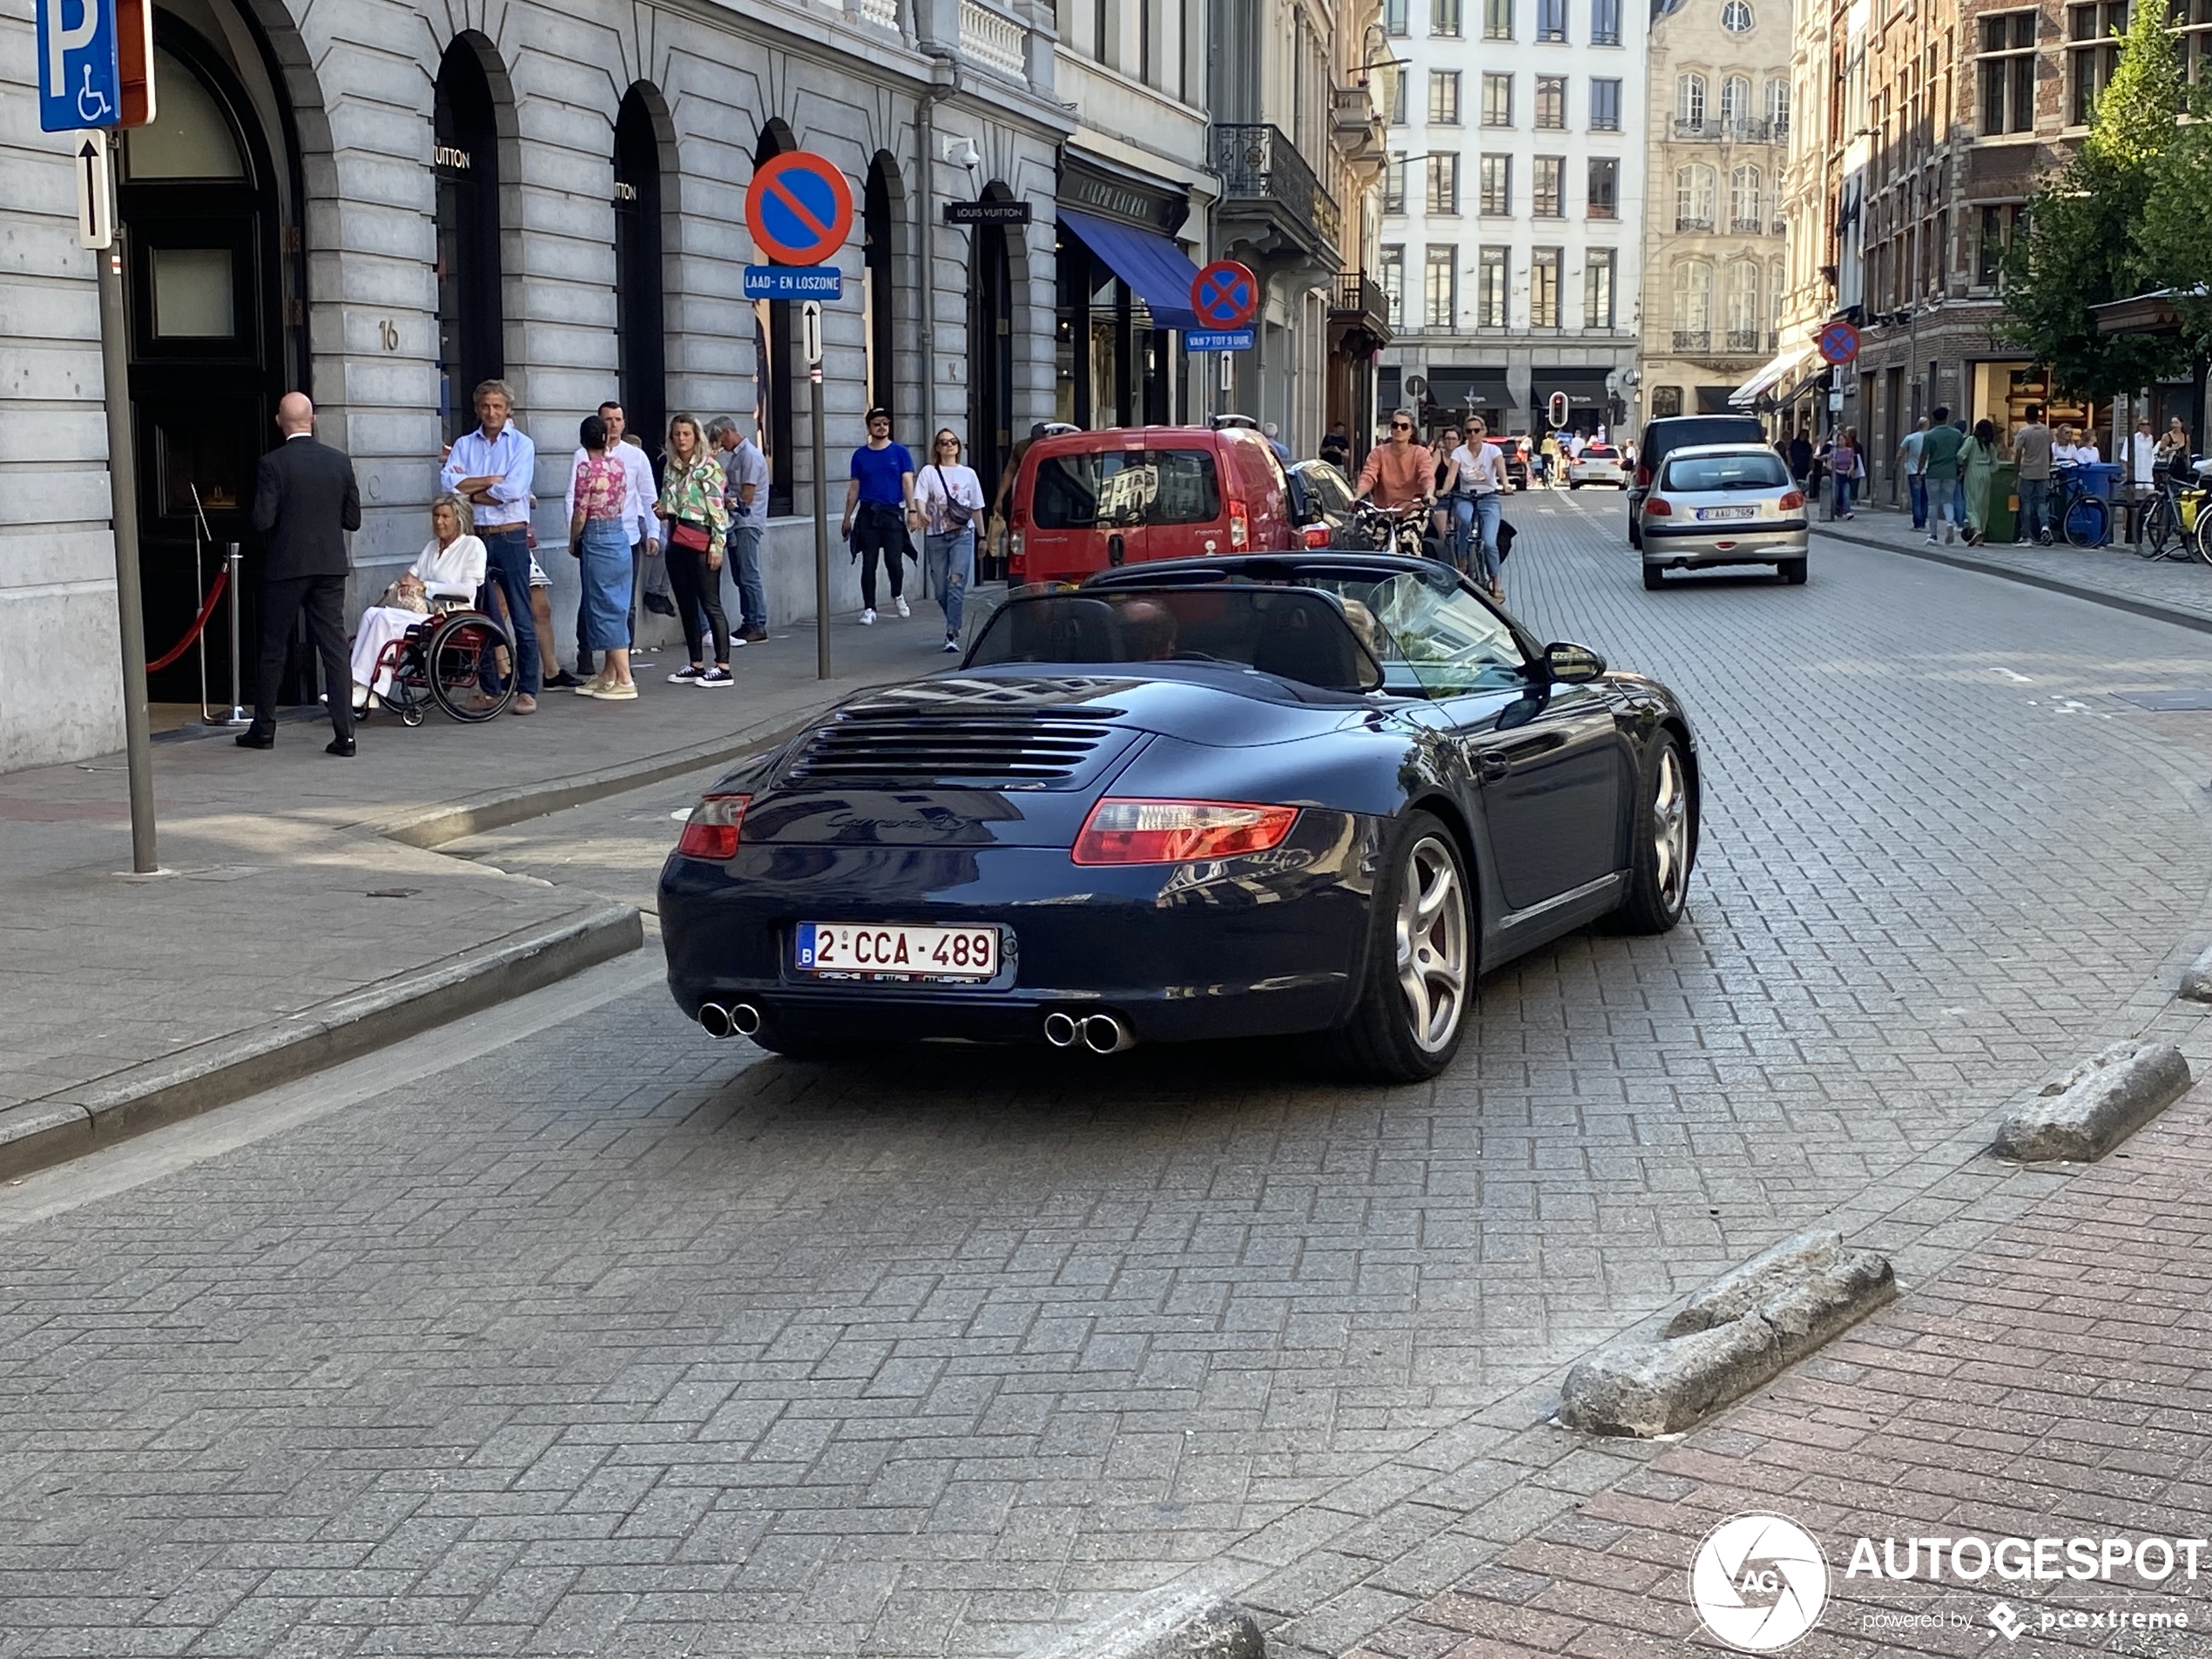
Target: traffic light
{"x":1557,"y":409}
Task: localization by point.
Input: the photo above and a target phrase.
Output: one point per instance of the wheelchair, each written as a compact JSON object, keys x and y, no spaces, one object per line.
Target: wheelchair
{"x":441,"y":661}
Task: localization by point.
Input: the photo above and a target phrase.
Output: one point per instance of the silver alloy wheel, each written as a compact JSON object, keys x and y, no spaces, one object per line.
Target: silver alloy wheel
{"x":1433,"y":945}
{"x":1670,"y":831}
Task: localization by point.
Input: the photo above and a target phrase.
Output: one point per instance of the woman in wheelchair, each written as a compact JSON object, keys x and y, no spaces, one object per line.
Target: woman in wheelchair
{"x":444,"y":577}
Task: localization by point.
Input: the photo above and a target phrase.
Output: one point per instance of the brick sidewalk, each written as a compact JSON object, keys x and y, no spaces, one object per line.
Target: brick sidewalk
{"x":282,"y":893}
{"x":2176,"y":590}
{"x":2053,"y":1381}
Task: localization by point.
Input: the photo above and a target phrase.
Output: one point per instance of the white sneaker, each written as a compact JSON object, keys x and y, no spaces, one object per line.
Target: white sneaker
{"x":867,"y":618}
{"x":904,"y":608}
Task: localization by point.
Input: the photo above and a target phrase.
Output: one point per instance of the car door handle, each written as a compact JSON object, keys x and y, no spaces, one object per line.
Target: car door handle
{"x":1494,"y":766}
{"x":1114,"y":550}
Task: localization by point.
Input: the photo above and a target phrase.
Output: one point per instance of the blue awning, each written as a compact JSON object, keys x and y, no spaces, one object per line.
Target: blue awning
{"x":1157,"y":271}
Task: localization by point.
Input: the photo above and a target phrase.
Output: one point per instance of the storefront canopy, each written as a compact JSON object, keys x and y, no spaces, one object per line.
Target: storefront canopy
{"x":1784,"y":367}
{"x":1156,"y":270}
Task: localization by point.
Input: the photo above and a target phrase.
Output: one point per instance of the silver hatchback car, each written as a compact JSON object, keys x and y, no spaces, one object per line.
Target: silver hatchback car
{"x":1722,"y":504}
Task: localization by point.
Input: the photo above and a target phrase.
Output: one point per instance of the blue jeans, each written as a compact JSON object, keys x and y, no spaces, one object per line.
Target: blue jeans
{"x":1481,"y":514}
{"x":950,"y":561}
{"x":1916,"y":484}
{"x":1946,"y":502}
{"x":507,"y":568}
{"x":744,"y":562}
{"x":2035,"y":509}
{"x":1843,"y":496}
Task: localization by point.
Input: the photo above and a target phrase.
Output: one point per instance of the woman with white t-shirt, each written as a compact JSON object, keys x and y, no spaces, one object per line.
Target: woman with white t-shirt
{"x":950,"y":499}
{"x":1480,"y":469}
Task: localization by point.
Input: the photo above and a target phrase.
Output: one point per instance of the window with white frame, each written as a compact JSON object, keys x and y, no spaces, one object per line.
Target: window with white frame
{"x":1440,"y":286}
{"x":1695,"y":188}
{"x":1444,"y":18}
{"x":1777,"y":107}
{"x":1497,"y":186}
{"x":1497,"y":100}
{"x":1497,"y":19}
{"x":1736,"y":18}
{"x":1736,"y":103}
{"x":1693,"y":306}
{"x":1543,"y":288}
{"x":1395,"y":184}
{"x":1597,"y":288}
{"x":1689,"y":100}
{"x":1742,"y":302}
{"x":1492,"y":288}
{"x":1745,"y":189}
{"x":1444,"y":182}
{"x":1393,"y":283}
{"x":1444,"y":97}
{"x":1547,"y":187}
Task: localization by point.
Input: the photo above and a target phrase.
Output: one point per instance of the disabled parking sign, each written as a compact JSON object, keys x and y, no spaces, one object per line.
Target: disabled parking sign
{"x":80,"y":69}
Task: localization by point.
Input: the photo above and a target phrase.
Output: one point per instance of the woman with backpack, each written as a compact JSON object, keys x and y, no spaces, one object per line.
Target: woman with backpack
{"x":949,"y":497}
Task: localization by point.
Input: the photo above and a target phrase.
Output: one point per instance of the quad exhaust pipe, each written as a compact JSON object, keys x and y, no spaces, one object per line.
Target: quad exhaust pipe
{"x":738,"y":1020}
{"x":1100,"y":1033}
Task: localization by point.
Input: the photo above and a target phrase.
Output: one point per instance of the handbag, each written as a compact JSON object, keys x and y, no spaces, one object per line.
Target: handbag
{"x":692,"y":538}
{"x":958,"y":514}
{"x":394,"y":599}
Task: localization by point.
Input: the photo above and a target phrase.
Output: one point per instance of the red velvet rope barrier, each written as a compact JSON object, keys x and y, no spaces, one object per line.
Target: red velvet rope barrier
{"x":222,"y":578}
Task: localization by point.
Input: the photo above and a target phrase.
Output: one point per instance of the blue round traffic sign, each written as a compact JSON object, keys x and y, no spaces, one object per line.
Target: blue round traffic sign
{"x":798,"y":208}
{"x":1225,"y":294}
{"x":1839,"y":343}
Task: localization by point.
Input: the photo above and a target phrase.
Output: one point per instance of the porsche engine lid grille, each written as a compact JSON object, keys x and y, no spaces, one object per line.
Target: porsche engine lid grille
{"x":905,"y":750}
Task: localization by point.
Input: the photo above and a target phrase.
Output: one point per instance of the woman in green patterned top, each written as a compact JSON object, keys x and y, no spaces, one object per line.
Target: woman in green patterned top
{"x":699,"y":519}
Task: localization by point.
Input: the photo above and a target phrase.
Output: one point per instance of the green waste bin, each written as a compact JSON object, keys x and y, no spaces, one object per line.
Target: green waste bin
{"x":2001,"y":521}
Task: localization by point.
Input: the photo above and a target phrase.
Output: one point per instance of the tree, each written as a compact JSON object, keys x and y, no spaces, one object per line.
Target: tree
{"x":2083,"y":243}
{"x":2173,"y":234}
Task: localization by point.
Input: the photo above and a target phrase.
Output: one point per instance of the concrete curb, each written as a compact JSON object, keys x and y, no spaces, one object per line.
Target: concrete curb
{"x":2128,"y":603}
{"x":2197,"y":979}
{"x":1190,"y":1627}
{"x":2097,"y":1105}
{"x":82,"y":1119}
{"x":433,"y":827}
{"x":1737,"y":1332}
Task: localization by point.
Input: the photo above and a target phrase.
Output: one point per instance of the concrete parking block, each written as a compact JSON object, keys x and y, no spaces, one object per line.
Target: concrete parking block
{"x":1182,"y":1627}
{"x":2100,"y":1104}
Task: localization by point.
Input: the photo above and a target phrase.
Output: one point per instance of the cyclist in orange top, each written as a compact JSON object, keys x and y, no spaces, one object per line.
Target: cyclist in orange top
{"x":1400,"y":474}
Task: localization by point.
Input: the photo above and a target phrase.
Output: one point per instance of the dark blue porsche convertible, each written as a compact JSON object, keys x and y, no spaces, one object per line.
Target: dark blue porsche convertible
{"x":1313,"y":795}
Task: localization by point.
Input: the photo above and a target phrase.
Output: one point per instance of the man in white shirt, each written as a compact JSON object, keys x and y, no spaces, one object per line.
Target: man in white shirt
{"x":744,"y":491}
{"x":637,"y":520}
{"x":492,"y":467}
{"x":1916,"y":480}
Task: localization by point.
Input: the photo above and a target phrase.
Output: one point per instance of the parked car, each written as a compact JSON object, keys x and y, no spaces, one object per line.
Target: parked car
{"x":1677,"y":432}
{"x":1323,"y":506}
{"x":1599,"y":463}
{"x":1514,"y":447}
{"x":1086,"y":501}
{"x":1722,"y":504}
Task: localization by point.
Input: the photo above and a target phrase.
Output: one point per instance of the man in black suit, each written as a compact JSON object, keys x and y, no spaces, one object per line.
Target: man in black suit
{"x":305,"y":500}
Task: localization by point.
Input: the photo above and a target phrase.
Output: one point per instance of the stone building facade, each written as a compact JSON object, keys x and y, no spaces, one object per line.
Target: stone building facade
{"x":1713,"y":251}
{"x":381,"y":203}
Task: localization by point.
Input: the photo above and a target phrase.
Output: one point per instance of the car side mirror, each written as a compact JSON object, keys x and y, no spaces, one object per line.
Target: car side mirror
{"x":1572,"y":664}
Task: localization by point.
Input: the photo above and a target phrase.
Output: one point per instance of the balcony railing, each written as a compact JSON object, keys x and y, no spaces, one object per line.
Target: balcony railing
{"x":994,"y":39}
{"x":1360,"y":295}
{"x":1754,"y":227}
{"x":1739,"y":129}
{"x":1684,"y":223}
{"x":1258,"y":162}
{"x":1743,"y":340}
{"x":1693,"y":340}
{"x":883,"y":14}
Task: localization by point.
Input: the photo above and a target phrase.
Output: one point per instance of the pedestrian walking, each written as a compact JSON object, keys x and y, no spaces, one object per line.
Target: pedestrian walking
{"x":2032,"y":455}
{"x":1800,"y":456}
{"x":1481,"y":466}
{"x":600,"y":500}
{"x":745,"y":492}
{"x":305,"y":500}
{"x":1978,"y":468}
{"x":491,"y":469}
{"x":950,"y":497}
{"x":699,"y":525}
{"x":638,"y":525}
{"x":1908,"y":463}
{"x":1937,"y":458}
{"x":879,"y":510}
{"x":1844,"y":467}
{"x":1273,"y":434}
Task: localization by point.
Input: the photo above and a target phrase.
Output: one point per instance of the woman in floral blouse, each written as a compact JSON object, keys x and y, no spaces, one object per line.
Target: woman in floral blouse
{"x":600,"y":539}
{"x":691,"y":501}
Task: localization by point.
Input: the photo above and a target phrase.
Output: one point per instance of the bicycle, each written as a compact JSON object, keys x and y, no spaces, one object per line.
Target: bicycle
{"x":2085,"y":520}
{"x":2175,"y":523}
{"x":1392,"y":530}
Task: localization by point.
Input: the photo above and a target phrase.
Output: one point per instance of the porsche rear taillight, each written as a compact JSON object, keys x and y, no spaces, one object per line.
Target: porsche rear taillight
{"x":1240,"y":527}
{"x":1176,"y":832}
{"x":712,"y":830}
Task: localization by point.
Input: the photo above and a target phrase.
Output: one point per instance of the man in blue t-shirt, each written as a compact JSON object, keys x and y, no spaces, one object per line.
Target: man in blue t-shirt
{"x":878,"y":509}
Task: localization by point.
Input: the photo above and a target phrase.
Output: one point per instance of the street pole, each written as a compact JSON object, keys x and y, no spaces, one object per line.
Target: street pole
{"x":811,"y":317}
{"x":123,"y":487}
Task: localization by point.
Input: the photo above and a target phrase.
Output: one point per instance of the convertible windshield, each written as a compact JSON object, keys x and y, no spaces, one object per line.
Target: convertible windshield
{"x":1433,"y":637}
{"x":1315,"y":638}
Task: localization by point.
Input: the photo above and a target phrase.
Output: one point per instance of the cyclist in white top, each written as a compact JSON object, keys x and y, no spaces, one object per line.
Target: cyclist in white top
{"x":1478,"y":470}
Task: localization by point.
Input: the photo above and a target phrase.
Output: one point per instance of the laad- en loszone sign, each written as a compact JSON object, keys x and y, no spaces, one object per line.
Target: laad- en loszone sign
{"x":800,"y":210}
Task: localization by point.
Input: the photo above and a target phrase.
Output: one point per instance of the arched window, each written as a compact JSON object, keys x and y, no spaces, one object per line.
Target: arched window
{"x":1736,"y":18}
{"x":1777,"y":107}
{"x":1690,"y":99}
{"x":774,"y":354}
{"x":878,"y":254}
{"x":466,"y":162}
{"x":640,"y":358}
{"x":1742,"y":305}
{"x":1693,"y":306}
{"x":1695,"y":187}
{"x":1744,"y":192}
{"x":1735,"y":102}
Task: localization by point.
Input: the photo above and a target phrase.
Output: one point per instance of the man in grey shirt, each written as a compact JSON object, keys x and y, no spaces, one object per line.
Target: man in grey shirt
{"x":2032,"y":455}
{"x":1916,"y":484}
{"x":744,"y":491}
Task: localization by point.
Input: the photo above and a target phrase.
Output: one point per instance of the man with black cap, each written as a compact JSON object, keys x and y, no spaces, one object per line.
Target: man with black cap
{"x":880,"y":499}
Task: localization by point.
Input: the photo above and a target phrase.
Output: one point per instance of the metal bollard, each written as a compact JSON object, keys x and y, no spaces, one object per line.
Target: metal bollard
{"x":238,"y":716}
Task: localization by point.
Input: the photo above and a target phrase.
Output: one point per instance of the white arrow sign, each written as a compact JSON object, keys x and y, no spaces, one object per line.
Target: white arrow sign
{"x":95,"y":192}
{"x":810,"y":333}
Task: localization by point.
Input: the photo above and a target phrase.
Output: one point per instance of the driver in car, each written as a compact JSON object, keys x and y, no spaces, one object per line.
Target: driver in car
{"x":1148,"y":631}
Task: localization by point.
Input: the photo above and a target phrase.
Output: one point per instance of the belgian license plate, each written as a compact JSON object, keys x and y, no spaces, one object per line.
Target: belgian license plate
{"x":1706,"y":513}
{"x":868,"y":951}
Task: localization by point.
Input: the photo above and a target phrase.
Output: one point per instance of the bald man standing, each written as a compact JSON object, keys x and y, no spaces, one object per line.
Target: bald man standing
{"x":305,"y":500}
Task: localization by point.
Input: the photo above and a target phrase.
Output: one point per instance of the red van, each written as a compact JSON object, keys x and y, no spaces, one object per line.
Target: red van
{"x":1084,"y":502}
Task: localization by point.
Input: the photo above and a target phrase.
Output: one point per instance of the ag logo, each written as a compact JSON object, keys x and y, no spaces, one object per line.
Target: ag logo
{"x":1758,"y":1582}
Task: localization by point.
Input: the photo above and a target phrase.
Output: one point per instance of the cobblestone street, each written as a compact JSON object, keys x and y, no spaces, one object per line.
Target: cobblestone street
{"x":612,"y":1341}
